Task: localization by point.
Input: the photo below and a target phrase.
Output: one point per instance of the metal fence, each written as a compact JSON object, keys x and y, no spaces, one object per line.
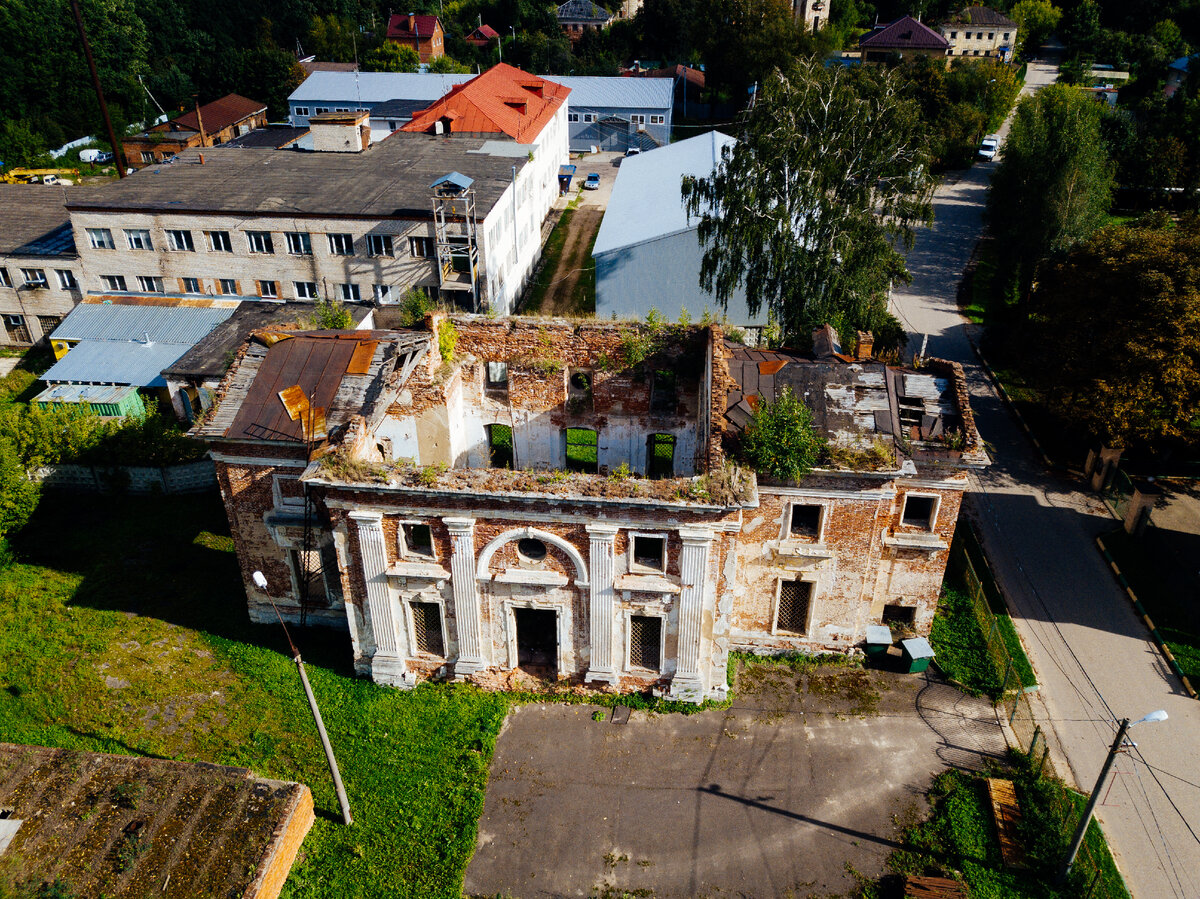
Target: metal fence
{"x":1119,"y":493}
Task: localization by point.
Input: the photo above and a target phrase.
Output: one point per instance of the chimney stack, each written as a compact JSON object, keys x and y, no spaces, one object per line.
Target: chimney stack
{"x":412,"y":22}
{"x":825,"y":342}
{"x":866,"y":344}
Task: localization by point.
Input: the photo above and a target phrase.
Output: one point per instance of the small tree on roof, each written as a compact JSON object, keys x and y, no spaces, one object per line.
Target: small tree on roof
{"x":780,"y":441}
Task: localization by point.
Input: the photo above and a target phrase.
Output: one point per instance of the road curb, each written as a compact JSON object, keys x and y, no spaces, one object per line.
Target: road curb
{"x":1008,"y":401}
{"x":1146,"y":620}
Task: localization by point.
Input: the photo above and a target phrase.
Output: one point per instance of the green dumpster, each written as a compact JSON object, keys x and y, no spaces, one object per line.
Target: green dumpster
{"x":879,"y":640}
{"x":917,"y":654}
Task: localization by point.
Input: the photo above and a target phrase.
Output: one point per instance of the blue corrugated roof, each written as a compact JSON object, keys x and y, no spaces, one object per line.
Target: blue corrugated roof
{"x":646,"y":202}
{"x":374,"y":87}
{"x":163,"y":324}
{"x":458,"y":179}
{"x":618,"y":93}
{"x":116,"y":362}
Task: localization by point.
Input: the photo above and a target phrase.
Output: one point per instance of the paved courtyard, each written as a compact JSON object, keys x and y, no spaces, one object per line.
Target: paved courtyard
{"x":805,"y":777}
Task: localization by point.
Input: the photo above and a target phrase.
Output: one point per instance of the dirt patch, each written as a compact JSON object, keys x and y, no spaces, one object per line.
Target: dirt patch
{"x":560,"y":298}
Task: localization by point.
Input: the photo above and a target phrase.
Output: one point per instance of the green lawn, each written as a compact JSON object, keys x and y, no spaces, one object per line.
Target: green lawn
{"x":145,"y":593}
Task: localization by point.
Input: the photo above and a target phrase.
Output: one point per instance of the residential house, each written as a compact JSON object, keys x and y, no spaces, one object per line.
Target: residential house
{"x":482,"y":36}
{"x":423,"y":33}
{"x":617,"y":113}
{"x":577,"y":16}
{"x":214,"y":123}
{"x":39,"y":266}
{"x":345,"y":221}
{"x":542,"y":500}
{"x":1177,"y":73}
{"x":647,"y":251}
{"x":399,"y":93}
{"x":811,"y":14}
{"x":905,"y":38}
{"x":980,"y":31}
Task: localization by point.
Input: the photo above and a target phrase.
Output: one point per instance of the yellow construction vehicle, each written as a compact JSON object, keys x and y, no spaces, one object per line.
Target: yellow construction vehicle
{"x":30,"y":176}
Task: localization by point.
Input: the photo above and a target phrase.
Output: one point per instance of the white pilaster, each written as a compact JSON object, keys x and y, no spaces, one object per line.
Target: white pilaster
{"x":467,"y":611}
{"x":602,"y":608}
{"x":387,"y":624}
{"x":690,"y":680}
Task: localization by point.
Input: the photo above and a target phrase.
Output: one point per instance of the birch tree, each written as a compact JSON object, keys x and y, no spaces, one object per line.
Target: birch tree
{"x":811,"y":208}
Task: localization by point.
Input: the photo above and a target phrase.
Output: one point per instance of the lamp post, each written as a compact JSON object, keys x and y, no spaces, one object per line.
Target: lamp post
{"x":260,"y":581}
{"x":1090,"y":808}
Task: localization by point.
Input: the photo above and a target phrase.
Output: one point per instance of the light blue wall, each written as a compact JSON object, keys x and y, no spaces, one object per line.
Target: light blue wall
{"x":584,"y":135}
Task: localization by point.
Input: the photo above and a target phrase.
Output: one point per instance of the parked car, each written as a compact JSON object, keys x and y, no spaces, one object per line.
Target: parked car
{"x":592,"y":182}
{"x":51,"y":179}
{"x":95,"y":156}
{"x":633,"y":151}
{"x":989,"y":147}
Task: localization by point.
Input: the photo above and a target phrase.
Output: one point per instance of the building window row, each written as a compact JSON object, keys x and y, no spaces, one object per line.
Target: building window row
{"x":581,"y":445}
{"x":267,"y":289}
{"x":35,"y":278}
{"x":299,"y":243}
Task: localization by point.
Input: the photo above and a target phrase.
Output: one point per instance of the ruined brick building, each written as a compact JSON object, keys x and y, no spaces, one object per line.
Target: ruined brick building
{"x":479,"y":496}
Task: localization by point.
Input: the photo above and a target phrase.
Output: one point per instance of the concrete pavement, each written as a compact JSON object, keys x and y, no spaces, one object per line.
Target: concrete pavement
{"x":1093,"y":657}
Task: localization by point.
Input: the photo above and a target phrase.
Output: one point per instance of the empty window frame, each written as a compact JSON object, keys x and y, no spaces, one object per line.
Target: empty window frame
{"x":309,"y":576}
{"x":792,"y":607}
{"x":380,"y":245}
{"x":66,"y":278}
{"x":100,"y":239}
{"x":648,"y":552}
{"x":496,"y":375}
{"x":268,"y":289}
{"x":114,"y":283}
{"x":894,"y":613}
{"x":582,"y":450}
{"x":663,"y":399}
{"x":660,"y":456}
{"x":421,"y":247}
{"x":920,"y":511}
{"x":341,"y":244}
{"x":427,"y":628}
{"x":805,"y":520}
{"x":151,"y":284}
{"x":645,"y":642}
{"x":299,"y":243}
{"x":349,"y":292}
{"x":192,"y":285}
{"x":416,"y":540}
{"x":579,"y":390}
{"x":260,"y":242}
{"x":34,"y":277}
{"x":218,"y":241}
{"x":138,"y":239}
{"x":181,"y":241}
{"x":500,"y":446}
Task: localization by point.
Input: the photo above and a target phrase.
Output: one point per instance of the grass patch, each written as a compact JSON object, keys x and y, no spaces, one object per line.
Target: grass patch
{"x":959,"y":646}
{"x":958,"y":839}
{"x":551,"y":256}
{"x":124,"y":630}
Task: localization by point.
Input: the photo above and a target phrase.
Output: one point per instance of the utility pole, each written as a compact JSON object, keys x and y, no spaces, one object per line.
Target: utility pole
{"x":200,"y":121}
{"x":118,"y":150}
{"x":1081,"y":830}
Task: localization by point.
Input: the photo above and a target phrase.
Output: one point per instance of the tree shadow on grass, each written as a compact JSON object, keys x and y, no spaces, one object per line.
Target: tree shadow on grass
{"x":165,"y":557}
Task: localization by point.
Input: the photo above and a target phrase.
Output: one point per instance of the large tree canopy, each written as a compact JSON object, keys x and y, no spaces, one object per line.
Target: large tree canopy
{"x":1117,"y":334}
{"x":830,"y":175}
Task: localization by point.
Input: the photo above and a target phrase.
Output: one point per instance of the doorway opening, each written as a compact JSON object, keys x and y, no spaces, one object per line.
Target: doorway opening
{"x":537,"y":641}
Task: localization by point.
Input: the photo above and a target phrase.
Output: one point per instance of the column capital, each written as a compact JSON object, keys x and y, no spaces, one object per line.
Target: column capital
{"x":366,"y":516}
{"x":459,"y":525}
{"x":696,"y":536}
{"x":601,"y":530}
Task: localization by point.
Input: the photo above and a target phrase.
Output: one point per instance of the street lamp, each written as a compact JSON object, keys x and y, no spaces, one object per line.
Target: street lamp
{"x":260,"y":581}
{"x":1090,"y":808}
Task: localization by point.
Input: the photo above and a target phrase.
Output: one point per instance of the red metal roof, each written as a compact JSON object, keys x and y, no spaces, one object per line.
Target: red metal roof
{"x":219,"y":114}
{"x":502,"y":100}
{"x":903,"y":34}
{"x":398,"y":27}
{"x":483,"y":33}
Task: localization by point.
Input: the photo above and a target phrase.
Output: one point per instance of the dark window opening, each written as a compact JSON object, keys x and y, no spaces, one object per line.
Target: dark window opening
{"x":500,"y":446}
{"x":427,"y":627}
{"x":579,"y":391}
{"x":650,"y":552}
{"x":898,"y":614}
{"x":645,"y":642}
{"x":662,"y":393}
{"x":792,"y":614}
{"x":497,"y":376}
{"x":418,"y":540}
{"x":310,"y":579}
{"x":660,"y":456}
{"x":6,"y":813}
{"x":537,"y":641}
{"x":918,"y":511}
{"x":582,"y":450}
{"x":531,"y":548}
{"x":806,"y":521}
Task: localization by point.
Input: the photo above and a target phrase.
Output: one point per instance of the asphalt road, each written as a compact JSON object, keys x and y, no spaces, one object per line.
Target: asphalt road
{"x":1094,"y":659}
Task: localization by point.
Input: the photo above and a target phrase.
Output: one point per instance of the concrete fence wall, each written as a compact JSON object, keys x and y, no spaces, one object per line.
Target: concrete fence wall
{"x":190,"y":477}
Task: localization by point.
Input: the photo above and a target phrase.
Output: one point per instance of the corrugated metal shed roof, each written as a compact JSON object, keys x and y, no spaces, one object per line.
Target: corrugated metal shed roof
{"x":98,"y":394}
{"x":220,"y":114}
{"x":620,"y":93}
{"x":646,"y":203}
{"x":116,"y":362}
{"x":374,"y":87}
{"x":164,"y":324}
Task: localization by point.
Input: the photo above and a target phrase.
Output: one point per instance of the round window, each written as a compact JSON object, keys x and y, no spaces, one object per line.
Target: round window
{"x":534,"y":550}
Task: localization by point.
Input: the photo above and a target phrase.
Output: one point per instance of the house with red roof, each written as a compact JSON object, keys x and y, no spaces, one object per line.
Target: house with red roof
{"x":213,"y":123}
{"x":482,"y":36}
{"x":905,"y":38}
{"x":423,"y":33}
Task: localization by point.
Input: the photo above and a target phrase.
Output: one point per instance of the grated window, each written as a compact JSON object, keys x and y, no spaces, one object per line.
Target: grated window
{"x":792,"y":614}
{"x":645,"y":642}
{"x":427,"y":627}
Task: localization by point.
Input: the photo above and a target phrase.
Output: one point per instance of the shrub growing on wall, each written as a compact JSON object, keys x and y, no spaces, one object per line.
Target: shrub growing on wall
{"x":780,"y":441}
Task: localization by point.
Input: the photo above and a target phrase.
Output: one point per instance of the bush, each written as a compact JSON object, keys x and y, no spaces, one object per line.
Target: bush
{"x":780,"y":441}
{"x":331,"y":315}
